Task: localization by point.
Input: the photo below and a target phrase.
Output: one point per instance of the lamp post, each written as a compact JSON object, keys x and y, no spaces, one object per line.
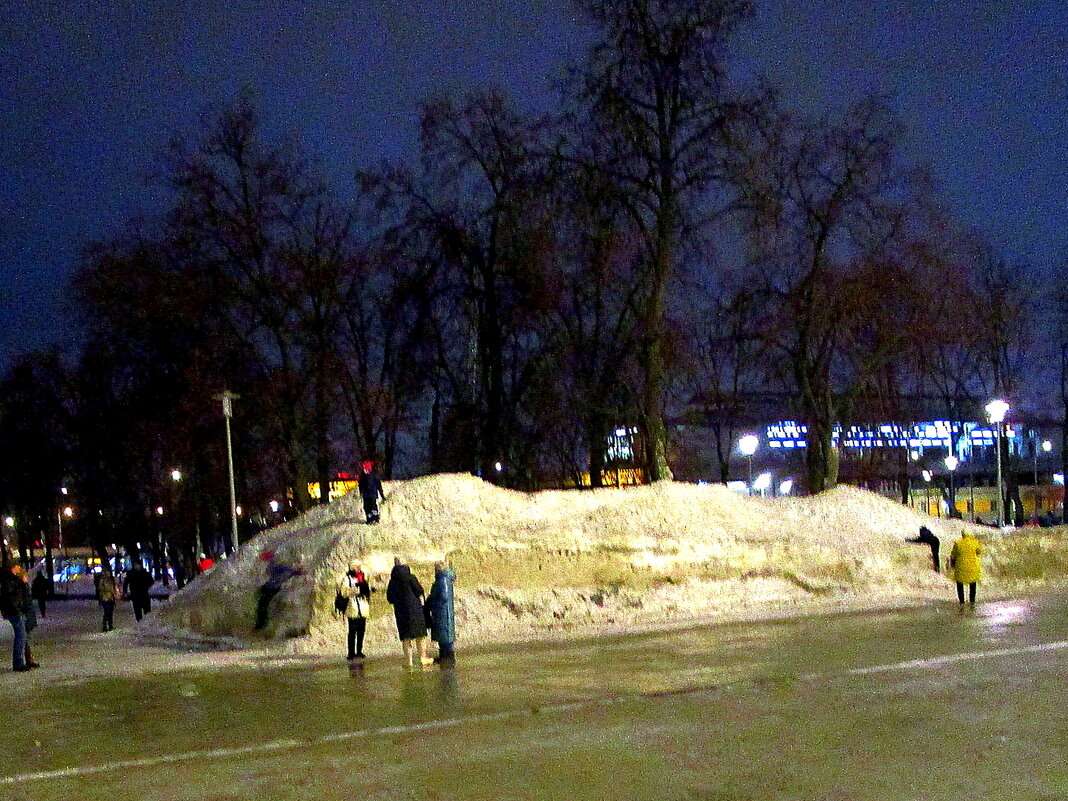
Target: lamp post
{"x":227,"y":397}
{"x":996,"y":411}
{"x":927,"y":476}
{"x":951,"y":465}
{"x":747,"y":446}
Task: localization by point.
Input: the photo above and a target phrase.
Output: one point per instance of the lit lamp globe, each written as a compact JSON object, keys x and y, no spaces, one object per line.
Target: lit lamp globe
{"x":747,"y":445}
{"x":951,"y":463}
{"x":996,"y":411}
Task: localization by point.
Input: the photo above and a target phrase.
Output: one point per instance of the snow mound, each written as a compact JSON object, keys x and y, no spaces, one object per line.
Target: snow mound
{"x":559,"y":562}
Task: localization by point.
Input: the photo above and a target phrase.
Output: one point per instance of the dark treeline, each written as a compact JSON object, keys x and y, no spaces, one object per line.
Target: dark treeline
{"x":512,"y":297}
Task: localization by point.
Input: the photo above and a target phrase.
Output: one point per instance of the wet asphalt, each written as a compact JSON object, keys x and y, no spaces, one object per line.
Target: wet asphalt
{"x":929,"y":702}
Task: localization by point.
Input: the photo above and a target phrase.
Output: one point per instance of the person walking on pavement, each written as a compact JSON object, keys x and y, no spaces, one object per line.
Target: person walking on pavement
{"x":135,"y":586}
{"x":107,"y":593}
{"x":964,"y":559}
{"x":928,"y":538}
{"x":370,"y":491}
{"x":353,"y":586}
{"x":15,"y":603}
{"x":405,"y":593}
{"x":40,"y":589}
{"x":442,"y":614}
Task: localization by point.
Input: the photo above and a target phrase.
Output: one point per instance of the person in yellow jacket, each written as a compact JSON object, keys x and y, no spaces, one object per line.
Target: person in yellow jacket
{"x":965,"y":563}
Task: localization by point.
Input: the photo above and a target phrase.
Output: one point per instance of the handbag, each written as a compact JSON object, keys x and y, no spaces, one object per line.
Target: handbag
{"x":341,"y":603}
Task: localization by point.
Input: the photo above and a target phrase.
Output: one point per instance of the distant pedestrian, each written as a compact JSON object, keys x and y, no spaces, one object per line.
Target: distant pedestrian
{"x":926,"y":537}
{"x":354,"y":588}
{"x":15,"y":603}
{"x":442,"y":613}
{"x":107,"y":593}
{"x":40,"y":590}
{"x":136,"y":586}
{"x":371,"y":492}
{"x":964,"y":559}
{"x":406,"y":594}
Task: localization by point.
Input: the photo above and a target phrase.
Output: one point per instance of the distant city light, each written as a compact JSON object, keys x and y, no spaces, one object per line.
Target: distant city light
{"x":274,"y":506}
{"x":9,"y":521}
{"x":237,"y":509}
{"x":176,"y":475}
{"x":621,"y":432}
{"x":1047,"y":446}
{"x":63,"y":490}
{"x":68,"y":511}
{"x":498,"y":466}
{"x":159,"y":510}
{"x":786,"y":487}
{"x":927,"y":475}
{"x":1058,"y":478}
{"x":762,"y":482}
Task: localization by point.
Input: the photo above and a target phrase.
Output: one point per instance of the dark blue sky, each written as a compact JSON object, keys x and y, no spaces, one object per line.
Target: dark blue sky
{"x":92,"y":91}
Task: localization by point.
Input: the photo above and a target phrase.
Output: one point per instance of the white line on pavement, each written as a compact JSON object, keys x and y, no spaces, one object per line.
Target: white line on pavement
{"x":290,"y":744}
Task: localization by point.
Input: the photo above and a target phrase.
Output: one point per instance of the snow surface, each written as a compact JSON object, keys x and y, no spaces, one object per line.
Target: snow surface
{"x":581,"y":562}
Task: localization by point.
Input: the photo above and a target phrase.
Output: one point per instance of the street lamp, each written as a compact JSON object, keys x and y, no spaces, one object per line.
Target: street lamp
{"x":996,"y":411}
{"x":176,"y":475}
{"x":227,"y":397}
{"x":927,"y":476}
{"x":951,"y":465}
{"x":747,"y":446}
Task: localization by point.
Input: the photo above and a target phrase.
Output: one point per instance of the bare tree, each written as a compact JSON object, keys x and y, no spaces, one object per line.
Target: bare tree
{"x":660,"y":109}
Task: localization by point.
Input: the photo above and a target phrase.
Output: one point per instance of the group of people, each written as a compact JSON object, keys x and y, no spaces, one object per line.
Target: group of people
{"x":963,"y":562}
{"x":414,"y":612}
{"x":135,"y":585}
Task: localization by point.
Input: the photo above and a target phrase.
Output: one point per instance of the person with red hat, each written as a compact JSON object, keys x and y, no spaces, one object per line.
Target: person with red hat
{"x":370,"y":491}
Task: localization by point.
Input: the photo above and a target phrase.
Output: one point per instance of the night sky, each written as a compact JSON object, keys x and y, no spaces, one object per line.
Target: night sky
{"x":91,"y":92}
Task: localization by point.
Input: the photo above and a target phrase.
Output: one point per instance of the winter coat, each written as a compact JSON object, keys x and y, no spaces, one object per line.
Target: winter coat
{"x":40,"y":586}
{"x":106,"y":588}
{"x":137,"y":583}
{"x":17,"y":597}
{"x":371,"y":488}
{"x":356,"y":589}
{"x":29,"y":608}
{"x":406,"y":593}
{"x":440,"y":607}
{"x":965,"y":559}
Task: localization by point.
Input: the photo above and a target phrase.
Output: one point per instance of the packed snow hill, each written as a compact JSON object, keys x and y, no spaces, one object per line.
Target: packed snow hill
{"x":575,"y":562}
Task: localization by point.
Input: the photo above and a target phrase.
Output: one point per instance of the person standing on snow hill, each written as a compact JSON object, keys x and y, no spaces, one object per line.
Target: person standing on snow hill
{"x":964,"y":559}
{"x":370,"y":491}
{"x":354,"y":587}
{"x":440,"y":609}
{"x":928,"y":538}
{"x":406,"y":593}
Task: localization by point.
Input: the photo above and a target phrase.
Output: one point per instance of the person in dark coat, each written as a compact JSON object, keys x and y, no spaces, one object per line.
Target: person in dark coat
{"x":40,"y":589}
{"x":370,"y":491}
{"x":135,"y":586}
{"x":405,"y":593}
{"x":440,"y":610}
{"x":926,"y":537}
{"x":277,"y":575}
{"x":16,"y":606}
